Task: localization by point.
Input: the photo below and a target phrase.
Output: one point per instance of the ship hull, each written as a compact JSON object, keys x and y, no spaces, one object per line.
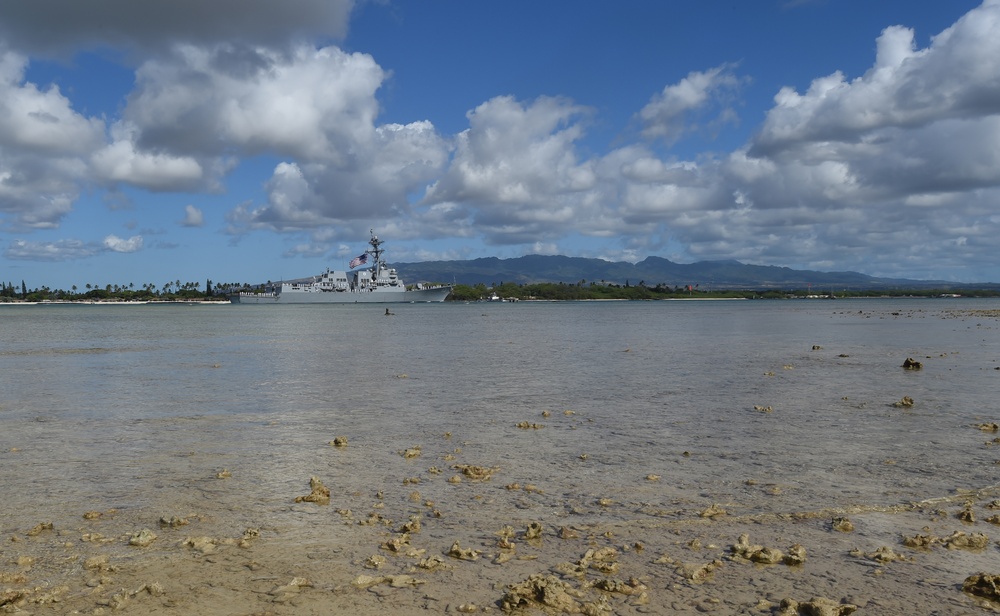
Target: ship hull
{"x":437,"y":294}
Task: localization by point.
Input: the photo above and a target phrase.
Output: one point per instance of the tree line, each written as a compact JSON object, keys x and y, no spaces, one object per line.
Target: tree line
{"x":602,"y":290}
{"x":171,"y":290}
{"x":582,"y":290}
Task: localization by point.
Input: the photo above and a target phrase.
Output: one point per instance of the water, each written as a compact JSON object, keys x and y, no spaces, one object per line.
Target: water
{"x":137,"y":408}
{"x":99,"y":399}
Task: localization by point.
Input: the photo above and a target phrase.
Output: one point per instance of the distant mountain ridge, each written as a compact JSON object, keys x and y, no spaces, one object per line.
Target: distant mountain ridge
{"x":651,"y":271}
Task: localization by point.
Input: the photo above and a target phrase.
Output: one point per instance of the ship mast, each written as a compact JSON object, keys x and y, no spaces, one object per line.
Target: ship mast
{"x":376,"y":253}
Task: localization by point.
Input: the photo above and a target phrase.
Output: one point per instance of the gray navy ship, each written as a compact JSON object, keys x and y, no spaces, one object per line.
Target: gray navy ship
{"x":378,"y":284}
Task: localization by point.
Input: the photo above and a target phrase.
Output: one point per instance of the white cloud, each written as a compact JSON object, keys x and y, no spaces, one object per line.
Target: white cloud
{"x":956,"y":77}
{"x":896,"y":172}
{"x":315,"y":107}
{"x":193,"y":217}
{"x":42,"y":122}
{"x":62,"y":250}
{"x":120,"y":162}
{"x":544,"y":248}
{"x":387,"y":165}
{"x":41,"y":139}
{"x":671,"y":113}
{"x":117,"y":244}
{"x":309,"y":104}
{"x":307,"y":249}
{"x":517,"y":167}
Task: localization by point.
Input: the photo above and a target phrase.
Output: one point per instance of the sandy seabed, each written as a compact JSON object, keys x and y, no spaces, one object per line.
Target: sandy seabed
{"x":454,"y":538}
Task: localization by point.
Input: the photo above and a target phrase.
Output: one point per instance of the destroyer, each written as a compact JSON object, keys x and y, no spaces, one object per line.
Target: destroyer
{"x":378,"y":284}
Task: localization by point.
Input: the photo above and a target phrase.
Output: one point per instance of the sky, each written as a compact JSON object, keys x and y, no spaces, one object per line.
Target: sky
{"x":253,"y":140}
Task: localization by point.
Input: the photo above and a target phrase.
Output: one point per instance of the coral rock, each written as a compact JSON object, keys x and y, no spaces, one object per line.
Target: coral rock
{"x":142,"y":538}
{"x":818,"y":606}
{"x":843,"y":525}
{"x":983,"y":585}
{"x":320,"y":493}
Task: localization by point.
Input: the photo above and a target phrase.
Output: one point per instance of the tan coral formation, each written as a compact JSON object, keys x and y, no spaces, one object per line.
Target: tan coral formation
{"x":743,"y":549}
{"x":533,"y":531}
{"x":693,"y":572}
{"x":475,"y":473}
{"x":921,"y":541}
{"x":985,"y":585}
{"x":882,"y":555}
{"x":395,"y":581}
{"x":172,"y":522}
{"x":457,"y":551}
{"x":142,"y":538}
{"x":541,"y":591}
{"x":817,"y":606}
{"x":842,"y":524}
{"x":39,"y":529}
{"x":962,"y":541}
{"x":320,"y":494}
{"x":713,"y":511}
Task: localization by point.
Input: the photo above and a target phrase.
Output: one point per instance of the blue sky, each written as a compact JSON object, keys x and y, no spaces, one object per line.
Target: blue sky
{"x":249,"y":140}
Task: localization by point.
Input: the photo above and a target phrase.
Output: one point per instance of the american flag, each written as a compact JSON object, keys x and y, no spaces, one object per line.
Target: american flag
{"x":359,"y":260}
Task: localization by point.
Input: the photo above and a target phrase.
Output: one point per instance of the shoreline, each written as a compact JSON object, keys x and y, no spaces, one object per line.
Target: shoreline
{"x":114,"y":303}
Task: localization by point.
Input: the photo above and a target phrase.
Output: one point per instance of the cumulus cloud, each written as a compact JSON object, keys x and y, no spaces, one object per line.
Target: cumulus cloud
{"x":37,"y":121}
{"x":895,"y":158}
{"x":316,"y":108}
{"x":117,"y":244}
{"x":388,"y":164}
{"x":120,"y":162}
{"x":307,"y":104}
{"x":226,"y":81}
{"x":671,"y":113}
{"x":193,"y":217}
{"x":906,"y":88}
{"x":41,"y":140}
{"x":62,"y":250}
{"x":896,"y":172}
{"x":517,"y":170}
{"x":197,"y":110}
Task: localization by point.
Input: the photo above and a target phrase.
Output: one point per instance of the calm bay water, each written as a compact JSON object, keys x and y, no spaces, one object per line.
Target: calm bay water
{"x":137,"y":407}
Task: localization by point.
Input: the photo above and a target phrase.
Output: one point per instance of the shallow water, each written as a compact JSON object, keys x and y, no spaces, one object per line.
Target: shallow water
{"x":92,"y":394}
{"x":137,"y":408}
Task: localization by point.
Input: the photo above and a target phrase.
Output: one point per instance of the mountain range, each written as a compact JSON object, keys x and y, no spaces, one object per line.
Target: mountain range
{"x":651,"y":271}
